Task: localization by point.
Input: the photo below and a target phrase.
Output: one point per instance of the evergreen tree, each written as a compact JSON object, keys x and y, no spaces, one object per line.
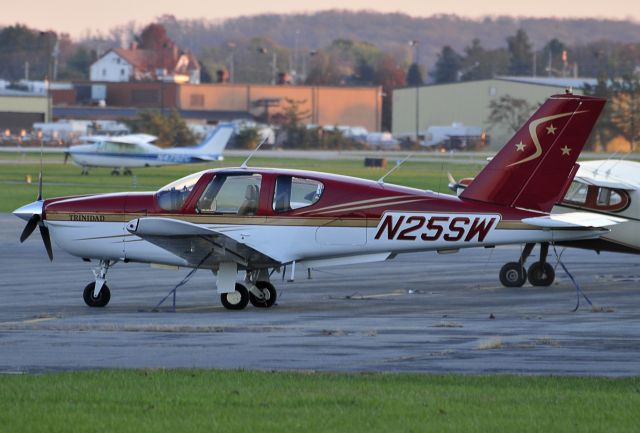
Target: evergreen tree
{"x":171,"y":129}
{"x":520,"y":54}
{"x":479,"y":63}
{"x":448,"y":66}
{"x":414,"y":76}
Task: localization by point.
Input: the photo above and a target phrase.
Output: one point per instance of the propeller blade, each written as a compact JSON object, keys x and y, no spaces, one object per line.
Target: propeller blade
{"x":453,"y":185}
{"x":30,"y":227}
{"x":66,"y":157}
{"x":44,"y":232}
{"x":41,"y":170}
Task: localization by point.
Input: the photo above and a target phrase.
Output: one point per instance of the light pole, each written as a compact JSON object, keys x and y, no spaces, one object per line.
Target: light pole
{"x":231,"y":60}
{"x":274,"y":61}
{"x":414,"y":43}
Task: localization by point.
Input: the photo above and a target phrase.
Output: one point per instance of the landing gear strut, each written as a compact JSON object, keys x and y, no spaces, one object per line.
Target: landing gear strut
{"x":256,"y":288}
{"x":541,"y":273}
{"x":97,"y":294}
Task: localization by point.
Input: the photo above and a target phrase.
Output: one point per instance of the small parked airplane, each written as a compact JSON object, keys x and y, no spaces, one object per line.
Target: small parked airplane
{"x":257,"y":220}
{"x":604,"y":187}
{"x":135,"y":150}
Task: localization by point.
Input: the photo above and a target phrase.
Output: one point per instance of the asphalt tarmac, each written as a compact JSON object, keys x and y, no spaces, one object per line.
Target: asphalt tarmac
{"x":419,"y":312}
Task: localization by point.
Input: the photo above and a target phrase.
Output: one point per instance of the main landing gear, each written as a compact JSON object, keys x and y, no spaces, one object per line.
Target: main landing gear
{"x":256,"y":289}
{"x":541,"y":273}
{"x":97,"y":294}
{"x":125,"y":172}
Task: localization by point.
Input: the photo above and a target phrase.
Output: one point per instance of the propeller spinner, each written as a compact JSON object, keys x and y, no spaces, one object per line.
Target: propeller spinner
{"x":32,"y":213}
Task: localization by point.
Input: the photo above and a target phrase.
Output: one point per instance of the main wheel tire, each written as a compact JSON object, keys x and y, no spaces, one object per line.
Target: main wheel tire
{"x":269,"y":295}
{"x":513,"y":274}
{"x":96,"y":301}
{"x":236,"y":300}
{"x":541,"y":275}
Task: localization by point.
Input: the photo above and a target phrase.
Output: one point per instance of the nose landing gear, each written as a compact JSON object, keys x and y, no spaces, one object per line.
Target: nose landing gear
{"x":97,"y":294}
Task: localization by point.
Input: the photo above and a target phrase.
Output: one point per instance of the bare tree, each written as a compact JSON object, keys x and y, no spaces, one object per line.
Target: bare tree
{"x":509,"y":111}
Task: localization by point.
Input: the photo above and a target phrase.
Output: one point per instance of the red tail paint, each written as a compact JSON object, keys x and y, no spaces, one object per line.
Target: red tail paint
{"x":533,"y":169}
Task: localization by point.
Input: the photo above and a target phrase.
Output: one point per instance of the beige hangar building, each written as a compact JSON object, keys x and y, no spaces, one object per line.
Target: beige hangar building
{"x":468,"y":103}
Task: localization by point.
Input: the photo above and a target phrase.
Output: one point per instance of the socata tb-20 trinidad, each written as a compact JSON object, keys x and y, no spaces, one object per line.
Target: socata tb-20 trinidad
{"x":255,"y":220}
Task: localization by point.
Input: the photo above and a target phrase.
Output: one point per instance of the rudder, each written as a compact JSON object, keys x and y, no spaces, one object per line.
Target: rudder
{"x":536,"y":165}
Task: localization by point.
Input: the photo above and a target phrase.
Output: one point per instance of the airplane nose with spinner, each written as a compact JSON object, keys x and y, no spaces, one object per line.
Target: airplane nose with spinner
{"x":27,"y":211}
{"x":32,"y":213}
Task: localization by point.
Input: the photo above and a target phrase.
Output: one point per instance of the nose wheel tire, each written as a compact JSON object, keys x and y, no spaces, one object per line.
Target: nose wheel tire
{"x":513,"y":274}
{"x":541,"y":274}
{"x":268,"y":297}
{"x":96,"y":301}
{"x":237,"y":299}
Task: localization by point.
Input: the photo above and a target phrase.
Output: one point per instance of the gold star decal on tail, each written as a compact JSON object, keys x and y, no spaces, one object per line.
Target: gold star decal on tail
{"x":565,"y":150}
{"x":551,"y":129}
{"x":520,"y":146}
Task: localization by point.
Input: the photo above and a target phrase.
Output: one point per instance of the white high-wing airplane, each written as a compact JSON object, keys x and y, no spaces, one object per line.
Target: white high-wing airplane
{"x":136,"y":150}
{"x":603,"y":188}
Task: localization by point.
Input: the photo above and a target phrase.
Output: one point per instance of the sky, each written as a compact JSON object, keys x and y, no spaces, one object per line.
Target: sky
{"x":76,"y":16}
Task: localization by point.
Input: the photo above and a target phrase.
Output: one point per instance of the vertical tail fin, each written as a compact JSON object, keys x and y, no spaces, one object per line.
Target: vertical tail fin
{"x":215,"y":142}
{"x":535,"y":167}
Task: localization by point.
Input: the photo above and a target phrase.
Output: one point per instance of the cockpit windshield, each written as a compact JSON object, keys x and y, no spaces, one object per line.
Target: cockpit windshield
{"x":172,"y":197}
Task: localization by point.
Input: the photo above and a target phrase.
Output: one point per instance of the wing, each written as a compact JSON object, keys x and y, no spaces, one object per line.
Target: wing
{"x":132,"y":139}
{"x":193,"y":243}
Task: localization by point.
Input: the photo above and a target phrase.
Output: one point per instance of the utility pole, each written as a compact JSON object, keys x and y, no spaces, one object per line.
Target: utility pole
{"x":232,"y":61}
{"x":414,"y":43}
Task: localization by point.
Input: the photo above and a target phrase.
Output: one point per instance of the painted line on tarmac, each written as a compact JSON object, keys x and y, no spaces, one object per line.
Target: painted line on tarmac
{"x":28,"y":321}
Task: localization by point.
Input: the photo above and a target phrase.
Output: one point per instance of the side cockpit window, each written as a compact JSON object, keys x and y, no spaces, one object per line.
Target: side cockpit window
{"x":295,"y":192}
{"x":231,"y":194}
{"x":173,"y":196}
{"x":577,"y":193}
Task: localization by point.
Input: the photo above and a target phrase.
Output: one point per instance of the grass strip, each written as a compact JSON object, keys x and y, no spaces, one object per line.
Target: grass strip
{"x":241,"y":401}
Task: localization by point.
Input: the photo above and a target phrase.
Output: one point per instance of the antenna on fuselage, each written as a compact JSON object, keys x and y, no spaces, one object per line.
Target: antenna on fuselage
{"x":244,"y":164}
{"x":394,"y":168}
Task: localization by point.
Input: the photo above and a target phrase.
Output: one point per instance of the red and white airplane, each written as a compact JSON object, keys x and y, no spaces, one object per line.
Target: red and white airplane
{"x":255,"y":220}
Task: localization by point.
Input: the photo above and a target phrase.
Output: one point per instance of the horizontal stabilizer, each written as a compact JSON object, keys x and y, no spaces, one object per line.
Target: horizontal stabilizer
{"x":574,"y":220}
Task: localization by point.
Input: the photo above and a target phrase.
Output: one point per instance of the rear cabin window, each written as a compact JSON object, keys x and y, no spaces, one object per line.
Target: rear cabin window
{"x":596,"y":197}
{"x":295,"y":192}
{"x":231,"y":194}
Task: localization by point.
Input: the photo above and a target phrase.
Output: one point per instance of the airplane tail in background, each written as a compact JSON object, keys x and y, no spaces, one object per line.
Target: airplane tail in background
{"x":215,"y":142}
{"x":534,"y":169}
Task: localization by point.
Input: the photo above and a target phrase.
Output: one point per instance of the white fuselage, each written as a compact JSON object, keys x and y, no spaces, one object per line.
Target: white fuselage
{"x":143,"y":155}
{"x":95,"y":239}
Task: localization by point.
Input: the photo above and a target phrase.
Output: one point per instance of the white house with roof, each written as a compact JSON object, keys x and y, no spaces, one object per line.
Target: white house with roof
{"x":133,"y":64}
